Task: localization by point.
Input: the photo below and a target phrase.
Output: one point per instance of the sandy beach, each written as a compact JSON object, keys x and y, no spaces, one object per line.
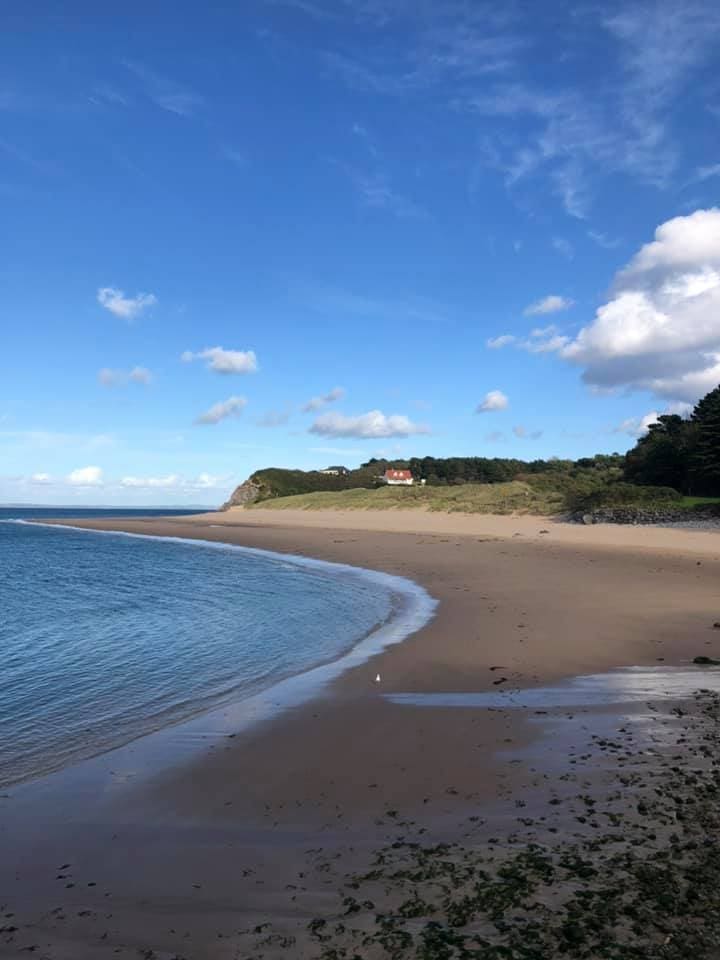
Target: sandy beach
{"x":184,"y":861}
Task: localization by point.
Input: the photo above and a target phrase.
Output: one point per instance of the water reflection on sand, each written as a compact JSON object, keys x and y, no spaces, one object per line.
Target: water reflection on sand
{"x":628,"y":685}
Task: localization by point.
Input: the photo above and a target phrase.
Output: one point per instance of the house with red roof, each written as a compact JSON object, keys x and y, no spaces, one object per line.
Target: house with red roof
{"x":398,"y":478}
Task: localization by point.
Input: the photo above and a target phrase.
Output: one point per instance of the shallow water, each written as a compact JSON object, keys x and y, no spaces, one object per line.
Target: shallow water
{"x":106,"y":637}
{"x":629,"y":685}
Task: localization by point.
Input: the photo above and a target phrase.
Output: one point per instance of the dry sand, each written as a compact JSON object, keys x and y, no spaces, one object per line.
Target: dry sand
{"x":194,"y":854}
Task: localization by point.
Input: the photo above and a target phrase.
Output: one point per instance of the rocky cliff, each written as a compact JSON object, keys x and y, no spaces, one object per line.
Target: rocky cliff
{"x":247,"y":492}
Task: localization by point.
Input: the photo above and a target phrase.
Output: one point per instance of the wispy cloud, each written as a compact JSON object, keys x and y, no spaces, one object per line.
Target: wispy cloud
{"x":232,"y":407}
{"x":553,"y":303}
{"x":121,"y":378}
{"x":522,"y":433}
{"x":563,"y":247}
{"x":127,"y":308}
{"x":274,"y":418}
{"x":174,"y":481}
{"x":706,"y":173}
{"x":105,"y":96}
{"x":504,"y":340}
{"x":376,"y":192}
{"x":571,"y":136}
{"x":602,"y":240}
{"x":171,"y":480}
{"x":662,"y":42}
{"x":164,"y":92}
{"x":316,"y":403}
{"x":540,"y":340}
{"x":224,"y":361}
{"x":446,"y":43}
{"x":347,"y":303}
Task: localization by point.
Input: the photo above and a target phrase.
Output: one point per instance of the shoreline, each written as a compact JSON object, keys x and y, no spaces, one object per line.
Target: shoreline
{"x":195,"y":851}
{"x":413,"y":607}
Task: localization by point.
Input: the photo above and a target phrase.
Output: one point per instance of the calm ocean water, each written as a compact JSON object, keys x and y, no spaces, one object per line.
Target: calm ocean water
{"x":104,"y":638}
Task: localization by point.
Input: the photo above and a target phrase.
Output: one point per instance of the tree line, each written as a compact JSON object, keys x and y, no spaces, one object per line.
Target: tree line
{"x":680,"y":453}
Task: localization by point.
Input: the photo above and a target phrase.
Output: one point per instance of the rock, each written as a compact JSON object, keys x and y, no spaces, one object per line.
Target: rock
{"x":706,"y":662}
{"x":716,"y":625}
{"x":247,"y":492}
{"x":588,"y":518}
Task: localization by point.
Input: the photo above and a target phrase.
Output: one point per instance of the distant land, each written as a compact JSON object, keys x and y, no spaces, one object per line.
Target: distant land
{"x":672,"y":473}
{"x":106,"y":506}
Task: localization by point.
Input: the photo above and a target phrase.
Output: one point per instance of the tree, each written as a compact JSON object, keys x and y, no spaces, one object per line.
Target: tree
{"x":706,"y":455}
{"x":663,"y":457}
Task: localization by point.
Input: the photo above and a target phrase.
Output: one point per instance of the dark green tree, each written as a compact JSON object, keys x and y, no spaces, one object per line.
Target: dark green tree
{"x":663,"y":457}
{"x":706,"y":455}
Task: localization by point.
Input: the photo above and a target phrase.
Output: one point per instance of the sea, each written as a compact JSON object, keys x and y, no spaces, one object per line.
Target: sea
{"x":107,"y":637}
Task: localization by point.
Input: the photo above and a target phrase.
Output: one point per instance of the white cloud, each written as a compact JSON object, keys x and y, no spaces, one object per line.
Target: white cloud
{"x":85,"y":477}
{"x":550,"y":304}
{"x":232,"y":407}
{"x":172,"y":480}
{"x":120,"y":378}
{"x":127,"y":308}
{"x":316,"y":403}
{"x":544,"y":340}
{"x":41,"y":478}
{"x":660,"y":331}
{"x":639,"y":426}
{"x":367,"y":425}
{"x":505,"y":340}
{"x":493,"y":401}
{"x":206,"y":481}
{"x":224,"y":361}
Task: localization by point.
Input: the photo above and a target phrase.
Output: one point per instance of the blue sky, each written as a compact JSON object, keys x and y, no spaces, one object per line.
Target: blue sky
{"x":293,"y":232}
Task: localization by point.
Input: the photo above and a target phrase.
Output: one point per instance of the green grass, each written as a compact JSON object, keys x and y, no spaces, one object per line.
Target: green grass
{"x":514,"y":497}
{"x":691,"y":502}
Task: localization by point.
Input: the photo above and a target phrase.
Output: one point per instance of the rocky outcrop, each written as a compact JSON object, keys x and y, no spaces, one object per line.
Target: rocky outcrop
{"x":247,"y":492}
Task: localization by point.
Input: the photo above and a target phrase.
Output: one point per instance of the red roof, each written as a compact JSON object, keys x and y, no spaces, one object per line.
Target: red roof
{"x":398,"y":475}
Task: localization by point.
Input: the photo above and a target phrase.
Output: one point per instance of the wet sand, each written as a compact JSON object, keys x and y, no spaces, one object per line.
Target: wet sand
{"x":184,"y":857}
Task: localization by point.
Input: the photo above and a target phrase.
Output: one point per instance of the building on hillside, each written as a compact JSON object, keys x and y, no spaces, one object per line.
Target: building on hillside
{"x":398,"y":478}
{"x":335,"y":471}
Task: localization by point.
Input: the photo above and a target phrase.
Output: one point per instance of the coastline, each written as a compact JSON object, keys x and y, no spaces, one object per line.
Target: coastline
{"x":412,"y":608}
{"x":527,"y":609}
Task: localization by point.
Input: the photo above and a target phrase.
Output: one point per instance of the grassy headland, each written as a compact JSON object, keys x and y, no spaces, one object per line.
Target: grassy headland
{"x":578,"y":492}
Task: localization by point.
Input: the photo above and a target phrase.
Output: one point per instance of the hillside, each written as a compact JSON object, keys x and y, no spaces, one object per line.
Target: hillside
{"x":497,"y":498}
